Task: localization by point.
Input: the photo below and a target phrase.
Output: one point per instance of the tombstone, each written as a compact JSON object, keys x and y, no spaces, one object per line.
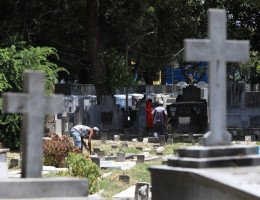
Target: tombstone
{"x":124,"y":178}
{"x":142,"y":191}
{"x":145,"y":140}
{"x":120,"y":156}
{"x":162,"y":140}
{"x":101,"y":154}
{"x":14,"y":162}
{"x":114,"y":146}
{"x":116,"y":137}
{"x":95,"y":160}
{"x":189,"y":112}
{"x":169,"y":141}
{"x":248,"y":138}
{"x":103,"y":137}
{"x":33,"y":104}
{"x":3,"y":163}
{"x":96,"y":150}
{"x":140,"y":158}
{"x":58,"y":127}
{"x":193,"y":174}
{"x":256,"y":87}
{"x":124,"y":144}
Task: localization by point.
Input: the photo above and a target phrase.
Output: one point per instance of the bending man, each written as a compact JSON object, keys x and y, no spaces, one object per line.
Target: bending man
{"x":79,"y":132}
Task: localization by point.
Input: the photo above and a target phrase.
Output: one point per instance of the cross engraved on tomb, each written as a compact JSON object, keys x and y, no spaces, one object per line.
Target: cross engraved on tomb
{"x":32,"y":104}
{"x":217,"y":51}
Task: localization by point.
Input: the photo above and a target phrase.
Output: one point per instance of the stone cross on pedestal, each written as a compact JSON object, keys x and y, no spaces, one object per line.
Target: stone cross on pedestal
{"x":217,"y":51}
{"x":33,"y":104}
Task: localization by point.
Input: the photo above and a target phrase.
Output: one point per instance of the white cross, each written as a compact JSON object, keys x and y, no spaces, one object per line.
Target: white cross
{"x":33,"y":104}
{"x":217,"y":51}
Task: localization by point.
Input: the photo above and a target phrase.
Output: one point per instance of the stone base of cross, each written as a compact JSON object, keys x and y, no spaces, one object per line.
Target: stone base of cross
{"x":210,"y":140}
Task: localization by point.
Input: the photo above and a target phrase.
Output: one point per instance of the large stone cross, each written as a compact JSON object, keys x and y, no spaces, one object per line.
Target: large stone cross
{"x":217,"y":51}
{"x":33,"y":104}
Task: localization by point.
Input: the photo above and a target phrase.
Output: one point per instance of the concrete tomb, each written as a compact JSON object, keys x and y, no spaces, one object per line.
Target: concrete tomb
{"x":219,"y":169}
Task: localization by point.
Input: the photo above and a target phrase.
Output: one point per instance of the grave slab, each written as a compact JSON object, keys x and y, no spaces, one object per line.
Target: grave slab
{"x":3,"y":163}
{"x":117,"y":165}
{"x":37,"y":187}
{"x":128,"y":194}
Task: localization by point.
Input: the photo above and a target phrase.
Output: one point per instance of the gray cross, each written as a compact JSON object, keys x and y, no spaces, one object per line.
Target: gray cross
{"x":217,"y":51}
{"x":33,"y":104}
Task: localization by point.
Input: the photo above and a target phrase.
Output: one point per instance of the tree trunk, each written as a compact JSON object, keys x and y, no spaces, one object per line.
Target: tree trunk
{"x":98,"y":67}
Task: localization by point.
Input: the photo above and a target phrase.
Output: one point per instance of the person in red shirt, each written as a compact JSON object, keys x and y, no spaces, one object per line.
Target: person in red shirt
{"x":149,"y":116}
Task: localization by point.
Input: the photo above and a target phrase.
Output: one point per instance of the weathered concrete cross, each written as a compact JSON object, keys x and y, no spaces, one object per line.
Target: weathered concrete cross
{"x":33,"y":104}
{"x":217,"y":51}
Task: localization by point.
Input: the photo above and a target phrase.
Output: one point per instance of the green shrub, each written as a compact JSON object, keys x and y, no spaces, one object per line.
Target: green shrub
{"x":57,"y":149}
{"x":82,"y":167}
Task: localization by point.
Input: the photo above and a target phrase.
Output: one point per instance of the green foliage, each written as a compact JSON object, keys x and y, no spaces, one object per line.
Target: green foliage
{"x":14,"y":60}
{"x":117,"y":74}
{"x":250,"y":70}
{"x":10,"y":130}
{"x":57,"y":149}
{"x":82,"y":167}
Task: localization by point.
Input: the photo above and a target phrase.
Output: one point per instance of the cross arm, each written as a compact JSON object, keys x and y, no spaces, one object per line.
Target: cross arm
{"x":15,"y":102}
{"x":197,"y":50}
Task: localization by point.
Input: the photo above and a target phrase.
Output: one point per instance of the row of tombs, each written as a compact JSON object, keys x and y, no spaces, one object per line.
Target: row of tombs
{"x":187,"y":108}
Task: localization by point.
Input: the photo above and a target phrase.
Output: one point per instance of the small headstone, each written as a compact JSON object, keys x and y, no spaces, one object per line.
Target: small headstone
{"x":103,"y":137}
{"x":120,"y":156}
{"x":139,"y":148}
{"x":96,"y":150}
{"x":116,"y":137}
{"x":101,"y":154}
{"x":200,"y":140}
{"x":58,"y":127}
{"x":162,"y":140}
{"x":170,"y":135}
{"x":160,"y":150}
{"x":134,"y":140}
{"x":169,"y":141}
{"x":124,"y":144}
{"x":114,"y":146}
{"x":248,"y":138}
{"x":142,"y":191}
{"x":96,"y":160}
{"x":145,"y":140}
{"x":124,"y":178}
{"x":140,"y":158}
{"x":14,"y":162}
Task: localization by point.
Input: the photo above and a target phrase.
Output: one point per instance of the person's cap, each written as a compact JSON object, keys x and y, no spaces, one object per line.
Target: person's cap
{"x":96,"y":129}
{"x":160,"y":102}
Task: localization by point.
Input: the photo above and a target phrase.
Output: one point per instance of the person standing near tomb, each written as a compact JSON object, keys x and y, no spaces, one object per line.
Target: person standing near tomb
{"x":160,"y":118}
{"x":149,"y":115}
{"x":79,"y":132}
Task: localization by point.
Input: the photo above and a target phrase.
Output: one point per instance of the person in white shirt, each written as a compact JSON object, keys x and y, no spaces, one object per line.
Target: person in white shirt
{"x":160,"y":117}
{"x":79,"y":132}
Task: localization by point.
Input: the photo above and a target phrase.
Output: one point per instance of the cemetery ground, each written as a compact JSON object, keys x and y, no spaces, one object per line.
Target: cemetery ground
{"x":109,"y":183}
